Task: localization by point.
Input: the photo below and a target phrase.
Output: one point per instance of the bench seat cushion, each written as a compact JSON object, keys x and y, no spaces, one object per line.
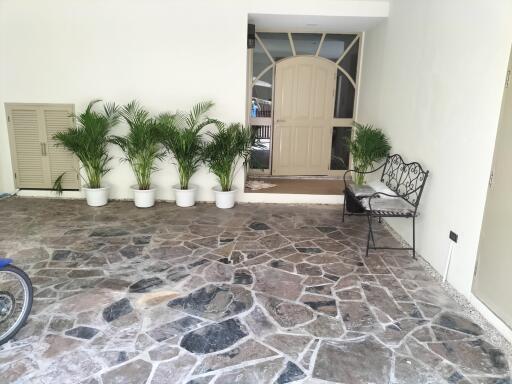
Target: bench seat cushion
{"x":389,"y":207}
{"x":369,"y":189}
{"x":360,"y":191}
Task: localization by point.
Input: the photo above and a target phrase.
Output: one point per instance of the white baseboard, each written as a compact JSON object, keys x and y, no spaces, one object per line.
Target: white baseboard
{"x":494,"y":320}
{"x":290,"y":198}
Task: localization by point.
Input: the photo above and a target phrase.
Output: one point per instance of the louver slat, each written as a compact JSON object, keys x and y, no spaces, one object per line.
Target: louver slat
{"x":61,"y":160}
{"x":27,"y":148}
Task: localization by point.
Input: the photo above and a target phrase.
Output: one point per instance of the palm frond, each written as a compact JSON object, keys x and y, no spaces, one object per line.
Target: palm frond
{"x":57,"y":184}
{"x":141,"y":145}
{"x":227,"y":146}
{"x":89,"y":140}
{"x":368,"y":145}
{"x":180,"y":134}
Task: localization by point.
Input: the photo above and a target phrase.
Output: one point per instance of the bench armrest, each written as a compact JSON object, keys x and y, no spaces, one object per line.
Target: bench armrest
{"x":378,"y":194}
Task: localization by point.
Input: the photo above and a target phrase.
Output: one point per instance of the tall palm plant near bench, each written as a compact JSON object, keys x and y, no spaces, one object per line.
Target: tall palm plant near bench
{"x":89,"y":142}
{"x":141,"y":147}
{"x":229,"y":145}
{"x":368,"y":146}
{"x":181,"y":137}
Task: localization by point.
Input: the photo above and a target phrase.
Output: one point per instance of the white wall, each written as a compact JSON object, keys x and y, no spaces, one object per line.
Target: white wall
{"x":168,"y":54}
{"x":433,"y":76}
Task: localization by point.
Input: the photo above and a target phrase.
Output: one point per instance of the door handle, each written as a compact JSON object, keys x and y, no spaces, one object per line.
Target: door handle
{"x":43,"y":149}
{"x":280,"y":121}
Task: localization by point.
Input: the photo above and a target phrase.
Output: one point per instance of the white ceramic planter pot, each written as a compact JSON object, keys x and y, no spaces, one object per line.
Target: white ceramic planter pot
{"x":96,"y":197}
{"x":224,"y":199}
{"x":143,"y":198}
{"x":185,"y":197}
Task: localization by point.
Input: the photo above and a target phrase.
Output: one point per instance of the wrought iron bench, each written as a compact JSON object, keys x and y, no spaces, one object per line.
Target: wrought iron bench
{"x":396,"y":194}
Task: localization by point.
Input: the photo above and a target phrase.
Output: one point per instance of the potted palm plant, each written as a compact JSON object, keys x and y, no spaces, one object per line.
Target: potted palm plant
{"x":181,"y":137}
{"x":89,"y":142}
{"x":367,"y":146}
{"x":228,"y":146}
{"x":142,"y":148}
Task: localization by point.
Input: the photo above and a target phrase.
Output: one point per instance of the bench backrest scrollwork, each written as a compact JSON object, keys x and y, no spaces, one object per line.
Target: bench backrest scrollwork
{"x":405,"y":179}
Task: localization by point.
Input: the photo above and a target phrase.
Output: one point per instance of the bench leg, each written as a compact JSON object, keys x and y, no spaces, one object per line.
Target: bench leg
{"x":344,"y":204}
{"x":414,"y":237}
{"x":370,"y":235}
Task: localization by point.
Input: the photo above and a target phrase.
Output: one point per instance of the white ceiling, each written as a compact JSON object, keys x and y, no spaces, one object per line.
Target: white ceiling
{"x":311,"y":23}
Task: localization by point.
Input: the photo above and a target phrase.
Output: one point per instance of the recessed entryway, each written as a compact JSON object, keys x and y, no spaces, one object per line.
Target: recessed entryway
{"x":303,"y":89}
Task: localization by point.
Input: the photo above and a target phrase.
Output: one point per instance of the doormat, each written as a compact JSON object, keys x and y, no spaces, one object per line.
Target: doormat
{"x":258,"y":184}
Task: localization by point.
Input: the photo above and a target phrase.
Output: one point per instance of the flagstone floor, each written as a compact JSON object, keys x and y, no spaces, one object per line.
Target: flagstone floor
{"x":256,"y":294}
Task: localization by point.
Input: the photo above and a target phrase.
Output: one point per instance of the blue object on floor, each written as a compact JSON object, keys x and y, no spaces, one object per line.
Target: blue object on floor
{"x":5,"y":262}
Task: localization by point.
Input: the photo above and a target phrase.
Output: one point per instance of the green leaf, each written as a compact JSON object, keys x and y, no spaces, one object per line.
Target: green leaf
{"x":89,"y":140}
{"x":141,"y":145}
{"x":227,"y":146}
{"x":368,"y":146}
{"x":180,"y":134}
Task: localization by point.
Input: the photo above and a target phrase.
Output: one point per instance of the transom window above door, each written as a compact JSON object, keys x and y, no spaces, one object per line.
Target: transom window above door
{"x":272,"y":47}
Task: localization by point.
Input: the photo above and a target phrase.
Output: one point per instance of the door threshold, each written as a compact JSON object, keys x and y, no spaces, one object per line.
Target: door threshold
{"x":299,"y":185}
{"x":296,"y":177}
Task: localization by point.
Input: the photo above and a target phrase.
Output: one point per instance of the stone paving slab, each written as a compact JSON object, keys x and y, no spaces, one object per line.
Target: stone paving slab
{"x":256,"y":294}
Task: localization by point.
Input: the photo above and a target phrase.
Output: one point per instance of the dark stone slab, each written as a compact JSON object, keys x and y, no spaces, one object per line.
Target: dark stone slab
{"x":326,"y":229}
{"x":291,"y":373}
{"x":215,"y":302}
{"x":174,"y":328}
{"x":117,"y":309}
{"x":355,"y":362}
{"x":309,"y":250}
{"x":320,"y":289}
{"x":177,"y":273}
{"x":141,"y":240}
{"x":145,"y":285}
{"x":458,"y":323}
{"x":259,"y":226}
{"x":321,"y":304}
{"x":131,"y":251}
{"x":243,"y":277}
{"x":198,"y":263}
{"x":214,"y":337}
{"x":109,"y":232}
{"x":281,"y":264}
{"x":82,"y":332}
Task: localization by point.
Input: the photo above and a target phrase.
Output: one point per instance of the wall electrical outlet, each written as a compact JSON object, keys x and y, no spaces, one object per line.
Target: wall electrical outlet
{"x":453,"y":236}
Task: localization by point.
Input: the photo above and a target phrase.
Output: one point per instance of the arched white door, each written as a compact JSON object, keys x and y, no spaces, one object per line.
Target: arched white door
{"x":304,"y":105}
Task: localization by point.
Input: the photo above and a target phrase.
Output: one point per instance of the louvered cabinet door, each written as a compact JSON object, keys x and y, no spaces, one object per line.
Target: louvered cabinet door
{"x":58,"y":119}
{"x":26,"y":140}
{"x":37,"y":161}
